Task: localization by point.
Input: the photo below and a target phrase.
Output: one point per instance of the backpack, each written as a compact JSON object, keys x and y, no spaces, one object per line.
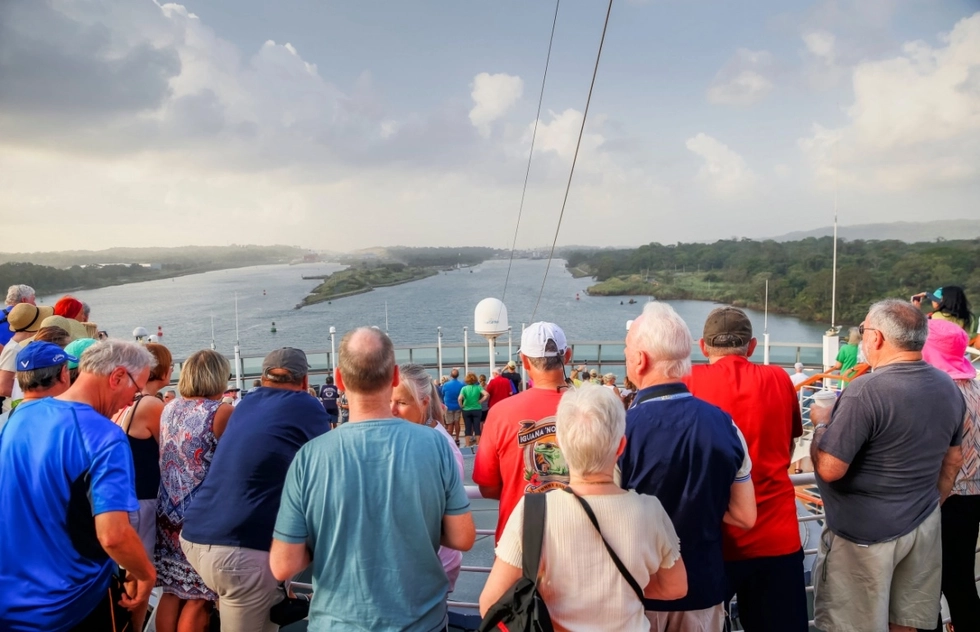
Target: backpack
{"x":521,"y":608}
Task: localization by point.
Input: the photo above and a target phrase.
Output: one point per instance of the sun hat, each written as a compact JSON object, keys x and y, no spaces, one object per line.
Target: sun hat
{"x":534,"y":340}
{"x":74,"y":328}
{"x":727,"y":321}
{"x":27,"y":317}
{"x":76,"y":349}
{"x":41,"y":355}
{"x":945,"y":349}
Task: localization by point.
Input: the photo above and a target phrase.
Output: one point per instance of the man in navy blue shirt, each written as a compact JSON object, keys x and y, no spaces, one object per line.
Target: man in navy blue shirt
{"x":329,"y":394}
{"x":228,"y":528}
{"x":689,"y":455}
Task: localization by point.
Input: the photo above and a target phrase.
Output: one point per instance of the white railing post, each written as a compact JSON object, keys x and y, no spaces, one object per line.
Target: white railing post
{"x":439,"y":350}
{"x":466,"y":352}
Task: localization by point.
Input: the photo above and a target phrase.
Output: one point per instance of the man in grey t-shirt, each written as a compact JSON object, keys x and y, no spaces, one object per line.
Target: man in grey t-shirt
{"x":884,"y":464}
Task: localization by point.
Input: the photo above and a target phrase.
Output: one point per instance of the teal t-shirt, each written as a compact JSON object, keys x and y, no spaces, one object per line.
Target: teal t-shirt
{"x":848,"y":357}
{"x":471,"y":396}
{"x":368,"y":500}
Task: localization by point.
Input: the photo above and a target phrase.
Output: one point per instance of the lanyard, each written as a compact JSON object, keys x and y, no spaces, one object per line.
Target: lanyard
{"x":670,"y":391}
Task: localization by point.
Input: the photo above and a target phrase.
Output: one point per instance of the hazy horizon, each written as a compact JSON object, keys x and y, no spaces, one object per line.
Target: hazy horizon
{"x":344,"y":126}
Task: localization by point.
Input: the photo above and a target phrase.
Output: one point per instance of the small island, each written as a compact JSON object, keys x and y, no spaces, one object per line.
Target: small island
{"x":364,"y":278}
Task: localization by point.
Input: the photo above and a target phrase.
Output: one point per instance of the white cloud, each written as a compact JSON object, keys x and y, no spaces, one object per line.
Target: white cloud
{"x":743,"y":80}
{"x":915,"y":120}
{"x":821,"y":44}
{"x":724,"y":170}
{"x":492,"y":96}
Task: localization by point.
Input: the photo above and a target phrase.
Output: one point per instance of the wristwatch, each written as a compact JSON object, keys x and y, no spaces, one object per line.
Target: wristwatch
{"x":819,"y":426}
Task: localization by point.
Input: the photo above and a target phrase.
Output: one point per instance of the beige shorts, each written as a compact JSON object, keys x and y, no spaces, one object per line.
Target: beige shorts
{"x":707,"y":620}
{"x":865,"y":587}
{"x":454,"y":416}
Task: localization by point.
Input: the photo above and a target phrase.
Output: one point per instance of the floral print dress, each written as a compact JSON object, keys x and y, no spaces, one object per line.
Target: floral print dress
{"x":187,"y":445}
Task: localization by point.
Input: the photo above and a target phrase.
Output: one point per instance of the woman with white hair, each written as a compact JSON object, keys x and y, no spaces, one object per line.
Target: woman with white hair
{"x":579,"y":581}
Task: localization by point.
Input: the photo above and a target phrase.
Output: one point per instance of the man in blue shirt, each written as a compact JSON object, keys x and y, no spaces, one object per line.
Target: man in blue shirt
{"x":329,"y":393}
{"x":228,"y":529}
{"x":450,"y":397}
{"x":16,"y":294}
{"x":63,"y":462}
{"x":369,"y":504}
{"x":689,"y":455}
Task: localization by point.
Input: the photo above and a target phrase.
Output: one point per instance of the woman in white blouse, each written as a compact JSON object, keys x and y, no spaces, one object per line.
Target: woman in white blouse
{"x":578,"y":580}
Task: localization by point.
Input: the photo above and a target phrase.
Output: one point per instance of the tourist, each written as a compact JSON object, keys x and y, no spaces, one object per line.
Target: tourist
{"x":16,"y":294}
{"x":343,"y":408}
{"x":579,"y":581}
{"x":141,"y":423}
{"x":519,"y":452}
{"x":42,"y":372}
{"x":66,"y":487}
{"x":799,"y":375}
{"x":895,"y":435}
{"x":949,"y":303}
{"x":689,"y":455}
{"x":485,"y":404}
{"x":24,"y":320}
{"x":77,"y":348}
{"x":450,"y":398}
{"x":471,"y":399}
{"x":576,"y":375}
{"x":414,"y":400}
{"x":169,"y":395}
{"x":594,"y":377}
{"x":52,"y":334}
{"x":70,"y":326}
{"x":189,"y":431}
{"x":764,"y":565}
{"x":345,"y":507}
{"x":609,"y":381}
{"x":847,"y":355}
{"x":510,"y":372}
{"x":628,"y":392}
{"x":499,"y":388}
{"x":960,"y":514}
{"x":228,"y":528}
{"x":328,"y":396}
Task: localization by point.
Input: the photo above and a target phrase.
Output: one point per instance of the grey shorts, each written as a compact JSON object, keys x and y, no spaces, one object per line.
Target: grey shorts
{"x":865,"y":587}
{"x":707,"y":620}
{"x":454,"y":416}
{"x":144,"y":520}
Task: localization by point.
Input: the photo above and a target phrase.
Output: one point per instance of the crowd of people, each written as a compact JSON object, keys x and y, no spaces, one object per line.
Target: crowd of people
{"x":677,"y":483}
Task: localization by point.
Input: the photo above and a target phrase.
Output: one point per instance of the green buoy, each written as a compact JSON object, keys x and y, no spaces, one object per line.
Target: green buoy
{"x":273,"y":327}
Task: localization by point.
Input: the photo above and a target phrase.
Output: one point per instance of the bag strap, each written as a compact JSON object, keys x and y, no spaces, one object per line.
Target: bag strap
{"x":535,"y":510}
{"x":615,"y":558}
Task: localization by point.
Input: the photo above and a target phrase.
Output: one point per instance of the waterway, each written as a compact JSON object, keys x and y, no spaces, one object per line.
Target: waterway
{"x":183,"y":307}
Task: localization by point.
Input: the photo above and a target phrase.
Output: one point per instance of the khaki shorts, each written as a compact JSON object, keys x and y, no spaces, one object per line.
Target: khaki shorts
{"x":454,"y":416}
{"x":707,"y":620}
{"x":865,"y":587}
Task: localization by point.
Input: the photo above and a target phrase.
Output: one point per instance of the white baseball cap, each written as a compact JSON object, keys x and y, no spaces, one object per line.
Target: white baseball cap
{"x":535,"y":339}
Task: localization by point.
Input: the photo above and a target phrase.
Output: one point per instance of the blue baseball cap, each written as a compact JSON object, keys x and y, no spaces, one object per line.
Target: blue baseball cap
{"x":41,"y":355}
{"x":935,"y":297}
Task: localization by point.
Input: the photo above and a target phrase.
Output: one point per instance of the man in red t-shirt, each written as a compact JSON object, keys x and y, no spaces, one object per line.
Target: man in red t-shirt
{"x":519,"y":452}
{"x":764,"y":564}
{"x":499,"y":387}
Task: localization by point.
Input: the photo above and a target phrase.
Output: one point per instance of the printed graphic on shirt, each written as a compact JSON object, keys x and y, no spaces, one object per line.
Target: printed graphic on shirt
{"x":544,"y":465}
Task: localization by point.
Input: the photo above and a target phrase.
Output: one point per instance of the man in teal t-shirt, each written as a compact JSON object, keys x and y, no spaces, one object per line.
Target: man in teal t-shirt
{"x":369,"y":504}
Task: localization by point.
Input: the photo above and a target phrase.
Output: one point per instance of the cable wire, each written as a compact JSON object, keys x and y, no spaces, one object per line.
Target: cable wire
{"x":578,"y":144}
{"x":534,"y":134}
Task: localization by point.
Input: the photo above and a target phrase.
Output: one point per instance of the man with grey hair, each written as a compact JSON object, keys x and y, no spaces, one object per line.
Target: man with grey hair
{"x":519,"y":452}
{"x":885,"y":461}
{"x":16,"y":294}
{"x":764,"y":565}
{"x":228,"y":528}
{"x":57,"y":563}
{"x":369,"y":505}
{"x":689,"y":455}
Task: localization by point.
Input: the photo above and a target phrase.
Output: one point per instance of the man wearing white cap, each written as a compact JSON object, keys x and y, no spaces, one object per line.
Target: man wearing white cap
{"x":518,"y":452}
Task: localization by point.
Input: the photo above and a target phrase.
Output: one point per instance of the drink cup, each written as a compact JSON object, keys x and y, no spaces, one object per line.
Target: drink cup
{"x":821,"y":405}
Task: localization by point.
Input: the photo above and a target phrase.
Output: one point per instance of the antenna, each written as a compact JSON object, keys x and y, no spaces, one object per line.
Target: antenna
{"x":833,"y":286}
{"x":238,"y":350}
{"x":765,"y":329}
{"x":386,"y":316}
{"x":213,"y":347}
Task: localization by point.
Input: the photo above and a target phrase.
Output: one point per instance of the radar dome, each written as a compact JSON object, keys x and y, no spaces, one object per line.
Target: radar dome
{"x":490,"y":318}
{"x":140,"y":332}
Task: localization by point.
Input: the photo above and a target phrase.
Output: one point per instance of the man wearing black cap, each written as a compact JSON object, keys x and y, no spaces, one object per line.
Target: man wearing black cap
{"x":764,"y":564}
{"x":228,"y":529}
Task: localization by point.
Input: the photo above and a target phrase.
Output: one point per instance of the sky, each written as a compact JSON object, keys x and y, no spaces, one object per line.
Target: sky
{"x":339,"y":125}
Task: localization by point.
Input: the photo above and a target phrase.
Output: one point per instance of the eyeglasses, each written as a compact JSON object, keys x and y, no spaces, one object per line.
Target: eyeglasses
{"x":135,"y":383}
{"x":862,"y":329}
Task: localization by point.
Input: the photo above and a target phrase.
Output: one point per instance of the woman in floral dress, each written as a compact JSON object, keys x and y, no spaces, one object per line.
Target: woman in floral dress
{"x":189,"y":431}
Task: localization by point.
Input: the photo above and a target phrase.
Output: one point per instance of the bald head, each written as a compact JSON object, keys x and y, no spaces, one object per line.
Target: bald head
{"x":366,"y":361}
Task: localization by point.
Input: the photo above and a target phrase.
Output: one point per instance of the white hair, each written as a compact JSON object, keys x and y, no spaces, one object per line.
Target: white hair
{"x":19,"y":293}
{"x":664,"y":335}
{"x":106,"y":356}
{"x":901,"y":323}
{"x":590,"y":423}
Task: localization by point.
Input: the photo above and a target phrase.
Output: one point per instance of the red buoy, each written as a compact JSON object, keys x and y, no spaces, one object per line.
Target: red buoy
{"x":159,"y":331}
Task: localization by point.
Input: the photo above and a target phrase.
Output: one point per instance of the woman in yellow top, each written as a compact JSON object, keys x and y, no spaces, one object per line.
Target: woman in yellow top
{"x":470,"y":399}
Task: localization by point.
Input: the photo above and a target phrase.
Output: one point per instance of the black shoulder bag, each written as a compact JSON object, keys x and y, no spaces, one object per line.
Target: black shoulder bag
{"x":521,"y":608}
{"x":615,"y":558}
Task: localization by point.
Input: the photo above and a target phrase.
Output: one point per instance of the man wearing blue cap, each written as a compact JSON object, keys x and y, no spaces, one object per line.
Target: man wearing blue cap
{"x":42,"y":371}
